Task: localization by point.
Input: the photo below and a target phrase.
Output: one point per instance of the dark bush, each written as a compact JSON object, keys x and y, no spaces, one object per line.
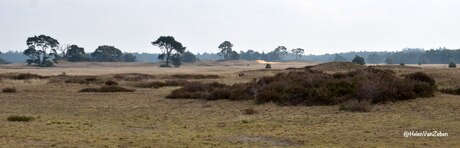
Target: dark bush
{"x":76,"y":79}
{"x":452,"y":91}
{"x":107,"y":89}
{"x":133,"y":76}
{"x":355,"y":106}
{"x":161,"y":84}
{"x":22,"y":76}
{"x":268,"y":66}
{"x":19,"y":118}
{"x":249,"y":111}
{"x":194,"y":76}
{"x":311,"y":87}
{"x":111,"y":83}
{"x":9,"y":90}
{"x":452,"y":65}
{"x":420,"y":76}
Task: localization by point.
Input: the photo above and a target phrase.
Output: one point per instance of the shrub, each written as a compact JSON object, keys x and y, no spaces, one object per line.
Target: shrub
{"x":452,"y":65}
{"x":194,"y":76}
{"x":358,"y":60}
{"x":9,"y":90}
{"x":20,"y":118}
{"x":452,"y":91}
{"x":355,"y":106}
{"x":161,"y":84}
{"x":22,"y":76}
{"x":76,"y":79}
{"x":164,"y":65}
{"x":133,"y":76}
{"x":402,"y":64}
{"x":311,"y":87}
{"x":107,"y":89}
{"x":111,"y":82}
{"x":249,"y":111}
{"x":268,"y":66}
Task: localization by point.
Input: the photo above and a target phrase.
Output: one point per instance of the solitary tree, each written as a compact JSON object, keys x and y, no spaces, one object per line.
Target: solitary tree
{"x":41,"y":49}
{"x":358,"y":60}
{"x":226,"y":50}
{"x":280,"y":52}
{"x":107,"y":53}
{"x":169,"y":47}
{"x":452,"y":65}
{"x":298,"y":52}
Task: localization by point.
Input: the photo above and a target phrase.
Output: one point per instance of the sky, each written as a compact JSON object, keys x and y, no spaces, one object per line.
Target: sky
{"x":318,"y":26}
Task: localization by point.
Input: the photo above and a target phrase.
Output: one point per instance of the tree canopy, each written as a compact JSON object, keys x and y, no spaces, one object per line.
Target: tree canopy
{"x":75,"y":54}
{"x":41,"y":50}
{"x":358,"y":60}
{"x":226,"y":50}
{"x":169,"y":47}
{"x":107,"y":53}
{"x":298,"y":52}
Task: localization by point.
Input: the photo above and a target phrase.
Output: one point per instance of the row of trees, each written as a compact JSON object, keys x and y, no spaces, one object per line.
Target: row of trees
{"x":43,"y":51}
{"x":276,"y":55}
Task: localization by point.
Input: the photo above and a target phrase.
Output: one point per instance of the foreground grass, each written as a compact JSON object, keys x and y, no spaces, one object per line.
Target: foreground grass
{"x":66,"y":118}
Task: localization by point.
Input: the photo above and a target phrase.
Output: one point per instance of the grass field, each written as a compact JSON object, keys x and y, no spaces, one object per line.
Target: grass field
{"x":63,"y":117}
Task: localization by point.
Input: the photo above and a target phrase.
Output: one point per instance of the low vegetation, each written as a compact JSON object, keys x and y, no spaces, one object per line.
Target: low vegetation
{"x":452,"y":91}
{"x":194,"y":76}
{"x":356,"y":106}
{"x":311,"y":87}
{"x":111,"y":83}
{"x":17,"y":118}
{"x":133,"y":76}
{"x":9,"y":90}
{"x":110,"y":89}
{"x":249,"y":111}
{"x":157,"y":84}
{"x":21,"y":76}
{"x":77,"y":79}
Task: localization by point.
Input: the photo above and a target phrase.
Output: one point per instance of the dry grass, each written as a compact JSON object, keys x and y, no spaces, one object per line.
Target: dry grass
{"x":145,"y":118}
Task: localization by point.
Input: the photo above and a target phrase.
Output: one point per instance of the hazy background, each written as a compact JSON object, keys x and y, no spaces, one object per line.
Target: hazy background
{"x":319,"y":26}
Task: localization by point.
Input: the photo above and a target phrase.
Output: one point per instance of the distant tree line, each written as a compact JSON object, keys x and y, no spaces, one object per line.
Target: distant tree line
{"x":44,"y":50}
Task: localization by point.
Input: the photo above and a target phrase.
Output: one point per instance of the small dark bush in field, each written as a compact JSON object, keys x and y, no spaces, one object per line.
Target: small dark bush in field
{"x":22,"y":76}
{"x":161,"y":84}
{"x":111,"y":82}
{"x":194,"y":76}
{"x":107,"y":89}
{"x":452,"y":65}
{"x":452,"y":91}
{"x":402,"y":64}
{"x":20,"y":118}
{"x":356,"y":106}
{"x":268,"y":66}
{"x":76,"y":79}
{"x":9,"y":90}
{"x":164,"y":65}
{"x":133,"y":76}
{"x":249,"y":111}
{"x":358,"y":60}
{"x":420,"y":76}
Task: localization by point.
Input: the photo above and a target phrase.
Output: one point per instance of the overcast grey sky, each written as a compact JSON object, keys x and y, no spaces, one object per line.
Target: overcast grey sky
{"x":318,"y":26}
